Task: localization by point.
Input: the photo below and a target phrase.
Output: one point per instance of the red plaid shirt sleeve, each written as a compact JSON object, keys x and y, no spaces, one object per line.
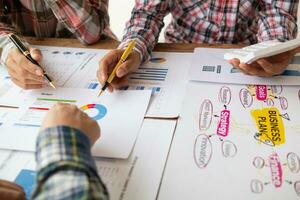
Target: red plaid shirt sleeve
{"x":145,"y":25}
{"x":216,"y":21}
{"x":278,"y":20}
{"x":88,"y":20}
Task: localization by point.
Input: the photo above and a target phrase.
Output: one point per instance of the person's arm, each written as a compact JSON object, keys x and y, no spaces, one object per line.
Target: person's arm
{"x":5,"y":44}
{"x":23,"y":73}
{"x":145,"y":25}
{"x":277,"y":20}
{"x":85,"y":19}
{"x":65,"y":166}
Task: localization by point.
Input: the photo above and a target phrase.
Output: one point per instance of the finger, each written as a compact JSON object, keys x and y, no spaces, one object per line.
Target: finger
{"x":101,"y":79}
{"x":107,"y":63}
{"x":27,"y":86}
{"x":23,"y":62}
{"x":253,"y":69}
{"x":128,"y":66}
{"x":36,"y":54}
{"x":234,"y":62}
{"x":110,"y":89}
{"x":119,"y":83}
{"x":21,"y":75}
{"x":24,"y":76}
{"x":268,"y":67}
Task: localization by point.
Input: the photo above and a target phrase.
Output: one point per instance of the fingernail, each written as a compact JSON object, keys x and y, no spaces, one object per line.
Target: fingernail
{"x":121,"y":72}
{"x":46,"y":82}
{"x":38,"y":72}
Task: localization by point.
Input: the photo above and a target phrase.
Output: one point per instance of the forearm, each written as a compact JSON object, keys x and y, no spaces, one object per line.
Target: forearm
{"x":66,"y":169}
{"x":278,"y":20}
{"x":84,"y":19}
{"x":145,"y":25}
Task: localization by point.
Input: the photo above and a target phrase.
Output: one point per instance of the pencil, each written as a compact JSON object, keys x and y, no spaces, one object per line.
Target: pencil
{"x":124,"y":56}
{"x":17,"y":42}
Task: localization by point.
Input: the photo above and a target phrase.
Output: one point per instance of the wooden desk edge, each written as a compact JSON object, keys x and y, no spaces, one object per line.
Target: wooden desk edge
{"x":112,"y":44}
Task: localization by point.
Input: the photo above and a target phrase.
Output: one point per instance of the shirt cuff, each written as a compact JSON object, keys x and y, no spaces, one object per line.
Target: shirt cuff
{"x":6,"y":44}
{"x":140,"y":47}
{"x":63,"y":147}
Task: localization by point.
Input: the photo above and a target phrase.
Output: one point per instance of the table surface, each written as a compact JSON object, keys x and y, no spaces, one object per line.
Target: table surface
{"x":112,"y":44}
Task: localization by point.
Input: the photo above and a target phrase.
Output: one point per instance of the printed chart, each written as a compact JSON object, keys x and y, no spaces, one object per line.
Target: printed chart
{"x":116,"y":141}
{"x":208,"y":65}
{"x":100,"y":110}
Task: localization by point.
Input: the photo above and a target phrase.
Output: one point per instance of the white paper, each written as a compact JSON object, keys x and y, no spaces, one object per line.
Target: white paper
{"x":164,"y":74}
{"x":14,"y":162}
{"x":120,"y":116}
{"x":139,"y":176}
{"x":217,"y":154}
{"x":208,"y":65}
{"x":136,"y":178}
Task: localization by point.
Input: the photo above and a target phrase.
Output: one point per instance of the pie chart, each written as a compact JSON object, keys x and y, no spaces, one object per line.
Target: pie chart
{"x":95,"y":111}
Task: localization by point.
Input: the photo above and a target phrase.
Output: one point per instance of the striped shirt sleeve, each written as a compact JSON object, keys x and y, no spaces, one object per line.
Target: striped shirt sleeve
{"x":66,"y":169}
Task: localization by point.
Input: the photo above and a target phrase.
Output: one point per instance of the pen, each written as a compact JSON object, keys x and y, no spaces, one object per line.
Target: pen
{"x":17,"y":42}
{"x":124,"y":56}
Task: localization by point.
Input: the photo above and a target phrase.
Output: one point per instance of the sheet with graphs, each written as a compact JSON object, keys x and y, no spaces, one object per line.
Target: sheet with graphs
{"x":115,"y":142}
{"x":164,"y":74}
{"x":209,"y":65}
{"x":135,"y":178}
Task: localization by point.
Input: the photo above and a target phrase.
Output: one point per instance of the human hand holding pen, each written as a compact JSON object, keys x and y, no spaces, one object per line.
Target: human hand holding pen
{"x":108,"y":63}
{"x":24,"y":73}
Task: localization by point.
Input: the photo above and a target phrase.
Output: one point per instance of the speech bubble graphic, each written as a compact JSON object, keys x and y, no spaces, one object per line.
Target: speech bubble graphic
{"x":202,"y":151}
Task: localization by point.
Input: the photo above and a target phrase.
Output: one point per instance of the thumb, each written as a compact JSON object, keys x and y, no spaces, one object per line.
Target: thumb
{"x":36,"y":54}
{"x":123,"y":70}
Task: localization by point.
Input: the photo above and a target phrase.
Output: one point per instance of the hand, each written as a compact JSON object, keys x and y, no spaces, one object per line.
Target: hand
{"x":110,"y":60}
{"x":266,"y":67}
{"x":11,"y":191}
{"x":24,"y":73}
{"x":69,"y":115}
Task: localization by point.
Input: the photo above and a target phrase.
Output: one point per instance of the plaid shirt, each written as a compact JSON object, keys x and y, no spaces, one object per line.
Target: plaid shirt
{"x":66,"y":169}
{"x":214,"y":21}
{"x":87,"y":20}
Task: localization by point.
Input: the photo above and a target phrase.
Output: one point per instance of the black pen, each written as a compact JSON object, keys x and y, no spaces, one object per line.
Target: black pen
{"x":26,"y":53}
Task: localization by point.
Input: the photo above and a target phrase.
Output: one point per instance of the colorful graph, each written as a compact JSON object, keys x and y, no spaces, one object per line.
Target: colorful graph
{"x":157,"y":60}
{"x":100,"y":109}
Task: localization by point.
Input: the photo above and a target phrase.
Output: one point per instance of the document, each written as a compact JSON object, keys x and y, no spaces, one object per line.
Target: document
{"x":8,"y":90}
{"x":120,"y":120}
{"x":135,"y":178}
{"x":13,"y":162}
{"x":165,"y":74}
{"x":139,"y":176}
{"x":235,"y":142}
{"x":208,"y":65}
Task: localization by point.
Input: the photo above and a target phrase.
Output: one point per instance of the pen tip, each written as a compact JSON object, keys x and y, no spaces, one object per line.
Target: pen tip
{"x":52,"y":85}
{"x":101,"y":91}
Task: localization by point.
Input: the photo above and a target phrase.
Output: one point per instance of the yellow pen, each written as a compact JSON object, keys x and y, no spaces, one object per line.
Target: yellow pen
{"x":124,"y":56}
